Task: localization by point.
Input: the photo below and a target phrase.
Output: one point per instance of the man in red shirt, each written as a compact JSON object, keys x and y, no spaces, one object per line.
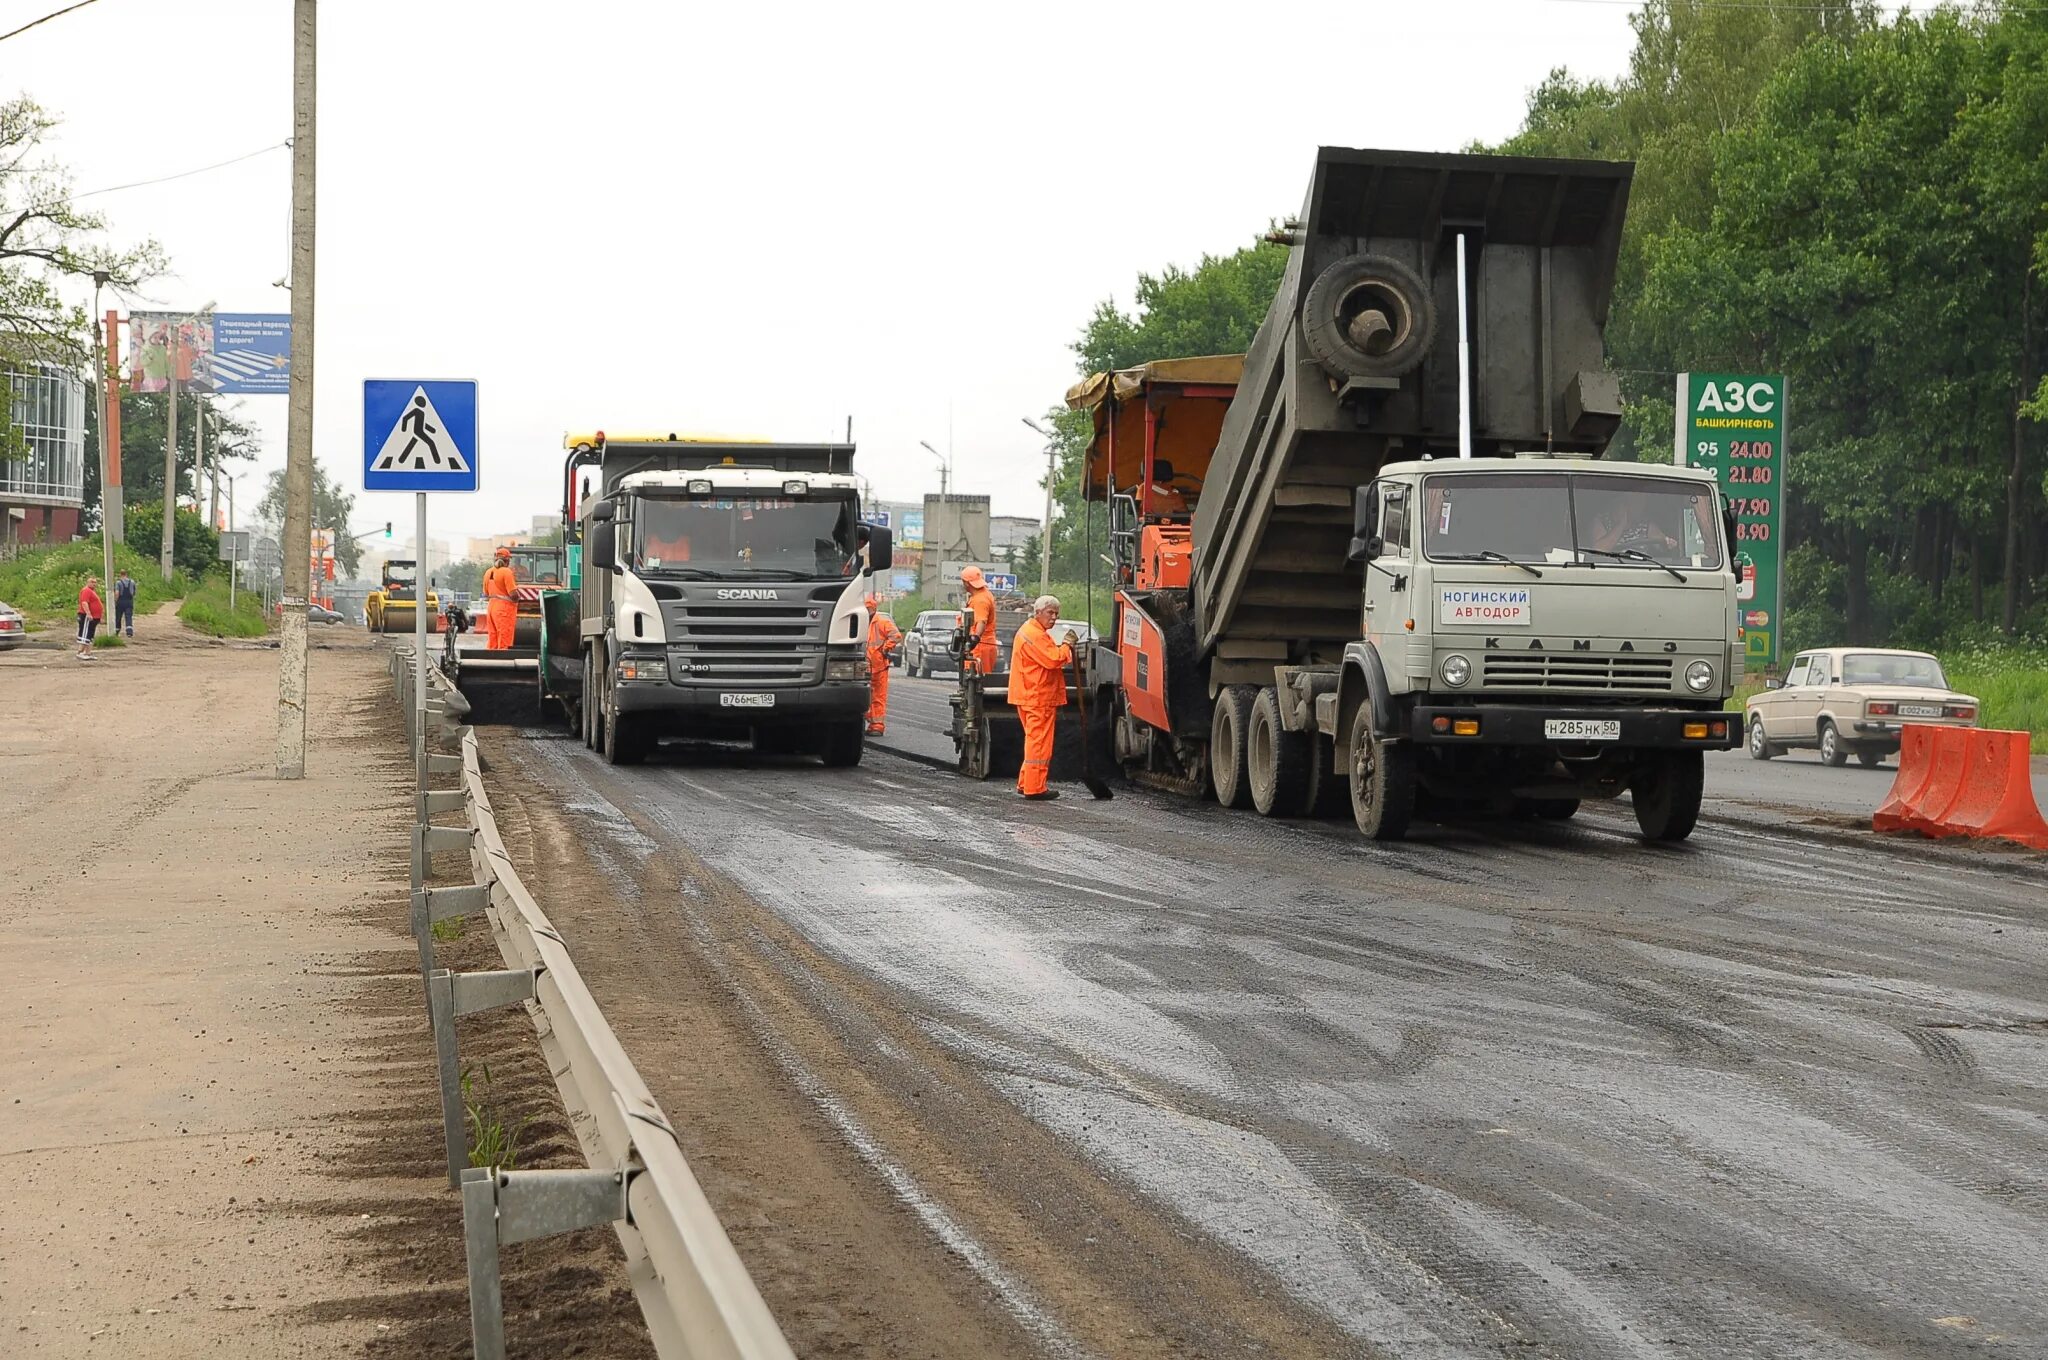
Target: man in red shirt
{"x":90,"y":612}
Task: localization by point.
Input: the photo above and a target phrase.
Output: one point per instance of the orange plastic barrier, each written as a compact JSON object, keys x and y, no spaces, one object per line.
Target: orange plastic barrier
{"x":1960,"y":781}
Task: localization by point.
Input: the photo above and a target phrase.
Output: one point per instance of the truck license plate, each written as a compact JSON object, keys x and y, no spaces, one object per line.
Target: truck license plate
{"x":746,"y":701}
{"x":1582,"y":729}
{"x":1919,"y":710}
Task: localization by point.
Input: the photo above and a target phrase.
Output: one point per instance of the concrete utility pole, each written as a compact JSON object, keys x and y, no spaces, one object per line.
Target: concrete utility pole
{"x":113,"y":517}
{"x":171,"y":460}
{"x":945,"y":467}
{"x":1052,"y":454}
{"x":297,"y":547}
{"x":99,"y":417}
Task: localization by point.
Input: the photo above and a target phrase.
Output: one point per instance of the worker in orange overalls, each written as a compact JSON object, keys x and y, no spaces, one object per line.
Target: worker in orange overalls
{"x":1038,"y":688}
{"x":981,"y":621}
{"x":883,"y":634}
{"x":501,"y":605}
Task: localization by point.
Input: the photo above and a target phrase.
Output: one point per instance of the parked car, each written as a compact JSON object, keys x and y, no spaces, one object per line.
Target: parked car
{"x":13,"y":628}
{"x":928,"y":643}
{"x":1845,"y":701}
{"x":320,"y":613}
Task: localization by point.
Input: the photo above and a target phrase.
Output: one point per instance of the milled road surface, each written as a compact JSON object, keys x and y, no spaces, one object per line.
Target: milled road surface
{"x":1175,"y":1080}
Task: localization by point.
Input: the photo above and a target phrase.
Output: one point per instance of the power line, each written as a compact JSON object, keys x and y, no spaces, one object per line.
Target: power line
{"x":46,"y":18}
{"x":166,"y":179}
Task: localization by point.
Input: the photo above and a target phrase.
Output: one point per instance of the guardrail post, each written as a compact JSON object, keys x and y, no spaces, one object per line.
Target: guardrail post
{"x":430,"y":905}
{"x":503,"y":1207}
{"x":450,"y":995}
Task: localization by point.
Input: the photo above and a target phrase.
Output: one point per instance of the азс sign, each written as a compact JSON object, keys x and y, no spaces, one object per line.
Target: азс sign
{"x":1733,"y":425}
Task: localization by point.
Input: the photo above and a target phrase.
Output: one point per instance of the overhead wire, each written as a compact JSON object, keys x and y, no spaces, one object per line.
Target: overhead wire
{"x":57,"y":14}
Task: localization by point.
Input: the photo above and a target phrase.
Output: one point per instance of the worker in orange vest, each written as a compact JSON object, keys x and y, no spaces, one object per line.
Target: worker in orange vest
{"x":981,"y":621}
{"x":501,"y":607}
{"x":1038,"y":689}
{"x":883,"y":634}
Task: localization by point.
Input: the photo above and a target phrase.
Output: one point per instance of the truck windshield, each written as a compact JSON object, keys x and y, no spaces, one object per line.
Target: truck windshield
{"x":744,"y":536}
{"x":1562,"y":517}
{"x":537,"y":568}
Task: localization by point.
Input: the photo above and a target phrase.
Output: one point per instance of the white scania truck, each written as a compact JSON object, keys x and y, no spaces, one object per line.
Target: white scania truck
{"x":717,"y":591}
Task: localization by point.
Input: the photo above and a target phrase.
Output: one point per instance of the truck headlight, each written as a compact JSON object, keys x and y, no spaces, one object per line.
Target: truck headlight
{"x":1699,"y":676}
{"x":1456,"y":670}
{"x":643,"y":668}
{"x":698,"y":486}
{"x":846,"y":668}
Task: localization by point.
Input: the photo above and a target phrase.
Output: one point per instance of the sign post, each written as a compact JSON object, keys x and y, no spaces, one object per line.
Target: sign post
{"x":1733,"y":425}
{"x":419,"y":436}
{"x":234,"y":548}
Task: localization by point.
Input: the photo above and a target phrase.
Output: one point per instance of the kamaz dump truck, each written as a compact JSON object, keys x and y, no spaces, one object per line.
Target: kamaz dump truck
{"x":718,"y":592}
{"x":1379,"y":555}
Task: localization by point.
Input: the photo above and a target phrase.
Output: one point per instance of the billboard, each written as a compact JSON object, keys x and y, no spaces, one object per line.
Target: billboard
{"x":233,"y":353}
{"x":1733,"y":425}
{"x":913,"y":530}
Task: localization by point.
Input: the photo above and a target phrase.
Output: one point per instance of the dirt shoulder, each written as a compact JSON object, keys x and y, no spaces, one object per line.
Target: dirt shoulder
{"x":220,"y":1131}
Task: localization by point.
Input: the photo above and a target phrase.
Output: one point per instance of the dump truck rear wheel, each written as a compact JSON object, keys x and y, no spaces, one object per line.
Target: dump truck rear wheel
{"x":1326,"y":788}
{"x":1227,"y":731}
{"x":1382,"y":779}
{"x":1368,"y":316}
{"x":1277,"y":760}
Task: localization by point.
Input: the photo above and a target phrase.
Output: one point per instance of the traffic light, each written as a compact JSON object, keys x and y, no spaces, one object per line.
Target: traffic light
{"x":387,"y":528}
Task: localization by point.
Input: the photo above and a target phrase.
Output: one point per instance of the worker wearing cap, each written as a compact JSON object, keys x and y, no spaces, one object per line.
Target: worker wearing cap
{"x":883,"y":635}
{"x":1038,"y":688}
{"x":501,"y":605}
{"x":981,"y":621}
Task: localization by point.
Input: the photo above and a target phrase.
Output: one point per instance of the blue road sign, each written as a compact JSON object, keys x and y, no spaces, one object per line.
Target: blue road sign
{"x":1003,"y":581}
{"x":419,"y":435}
{"x":252,"y":353}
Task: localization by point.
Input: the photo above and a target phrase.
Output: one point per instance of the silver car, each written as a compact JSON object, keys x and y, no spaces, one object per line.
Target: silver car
{"x":13,"y":627}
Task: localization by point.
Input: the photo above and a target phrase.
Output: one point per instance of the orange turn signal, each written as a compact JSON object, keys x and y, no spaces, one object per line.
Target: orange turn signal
{"x":1465,"y":727}
{"x":1696,"y":730}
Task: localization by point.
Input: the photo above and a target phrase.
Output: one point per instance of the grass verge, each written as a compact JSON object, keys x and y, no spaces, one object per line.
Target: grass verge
{"x":43,"y":583}
{"x":206,"y":610}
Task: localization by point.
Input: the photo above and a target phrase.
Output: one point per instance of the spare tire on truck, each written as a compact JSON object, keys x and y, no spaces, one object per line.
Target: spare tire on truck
{"x":1368,"y":316}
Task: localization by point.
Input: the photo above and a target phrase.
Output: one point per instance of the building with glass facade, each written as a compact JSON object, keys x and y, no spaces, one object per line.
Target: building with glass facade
{"x":42,"y":496}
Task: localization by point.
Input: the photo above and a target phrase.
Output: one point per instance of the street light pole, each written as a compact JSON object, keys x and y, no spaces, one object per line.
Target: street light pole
{"x":298,"y":464}
{"x":945,"y":467}
{"x":1052,"y":453}
{"x":108,"y":514}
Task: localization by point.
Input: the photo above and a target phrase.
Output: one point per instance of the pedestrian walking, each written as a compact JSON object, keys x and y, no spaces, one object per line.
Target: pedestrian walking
{"x":90,"y":611}
{"x":1038,"y":690}
{"x":124,"y":604}
{"x":883,"y":635}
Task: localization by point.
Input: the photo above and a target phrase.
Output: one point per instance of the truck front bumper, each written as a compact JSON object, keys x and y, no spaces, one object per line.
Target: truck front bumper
{"x":1675,"y":729}
{"x":823,"y":702}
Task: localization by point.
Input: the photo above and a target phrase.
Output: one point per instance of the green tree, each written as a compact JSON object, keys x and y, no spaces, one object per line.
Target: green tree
{"x":195,"y":547}
{"x":143,"y":420}
{"x":45,"y":240}
{"x":331,"y":510}
{"x":466,"y":576}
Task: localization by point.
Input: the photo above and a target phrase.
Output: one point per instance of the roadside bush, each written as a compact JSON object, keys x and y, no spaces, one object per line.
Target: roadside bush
{"x":206,"y":610}
{"x":195,"y":546}
{"x":43,"y":582}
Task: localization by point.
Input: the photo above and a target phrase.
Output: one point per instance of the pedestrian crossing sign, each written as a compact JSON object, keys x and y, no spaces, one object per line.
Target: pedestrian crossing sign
{"x":419,"y":435}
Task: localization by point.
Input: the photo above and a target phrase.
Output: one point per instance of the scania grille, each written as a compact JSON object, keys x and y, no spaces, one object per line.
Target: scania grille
{"x":742,"y":625}
{"x":1578,"y":670}
{"x":733,"y":669}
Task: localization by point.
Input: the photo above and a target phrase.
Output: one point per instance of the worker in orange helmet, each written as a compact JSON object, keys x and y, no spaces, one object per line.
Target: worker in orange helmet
{"x":883,"y":636}
{"x":1038,"y":689}
{"x":501,"y":605}
{"x":981,"y":621}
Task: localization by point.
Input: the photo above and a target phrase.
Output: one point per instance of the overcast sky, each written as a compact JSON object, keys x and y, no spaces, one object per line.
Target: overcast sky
{"x":746,"y":219}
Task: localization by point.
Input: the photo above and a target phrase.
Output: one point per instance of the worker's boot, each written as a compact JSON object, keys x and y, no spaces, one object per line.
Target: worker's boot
{"x":1042,"y":796}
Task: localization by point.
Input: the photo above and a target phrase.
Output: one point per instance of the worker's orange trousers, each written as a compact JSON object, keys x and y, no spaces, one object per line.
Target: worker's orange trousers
{"x":500,"y":622}
{"x":878,"y":706}
{"x":1039,"y":721}
{"x":983,"y":658}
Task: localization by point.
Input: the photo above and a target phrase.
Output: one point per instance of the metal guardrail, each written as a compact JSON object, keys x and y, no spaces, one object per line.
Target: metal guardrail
{"x":699,"y":1301}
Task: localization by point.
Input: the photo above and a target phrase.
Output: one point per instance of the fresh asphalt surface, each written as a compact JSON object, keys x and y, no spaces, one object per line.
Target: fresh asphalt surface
{"x":1508,"y":1088}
